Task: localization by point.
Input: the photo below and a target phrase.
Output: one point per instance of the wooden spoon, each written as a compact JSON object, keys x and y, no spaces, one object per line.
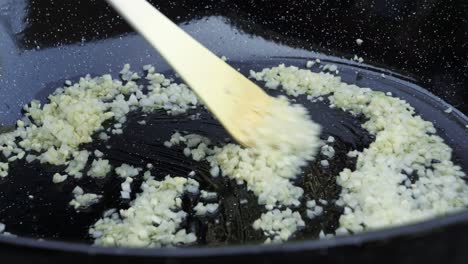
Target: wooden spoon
{"x":236,"y":102}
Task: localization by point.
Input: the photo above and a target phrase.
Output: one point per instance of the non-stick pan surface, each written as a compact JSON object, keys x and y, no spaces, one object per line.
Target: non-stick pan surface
{"x":42,"y":44}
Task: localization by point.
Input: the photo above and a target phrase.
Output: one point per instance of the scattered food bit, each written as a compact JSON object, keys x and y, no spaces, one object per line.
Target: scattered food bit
{"x":77,"y":190}
{"x":324,"y":202}
{"x":127,"y":74}
{"x":224,"y":58}
{"x":83,"y":200}
{"x":3,"y":169}
{"x":279,"y":225}
{"x":117,"y":131}
{"x":330,"y":139}
{"x":126,"y":188}
{"x":311,"y":204}
{"x":358,"y":59}
{"x":192,"y":186}
{"x":359,"y":41}
{"x":317,"y":211}
{"x":153,"y":219}
{"x":58,"y":178}
{"x":99,"y":168}
{"x":448,"y":110}
{"x":98,"y":153}
{"x":148,"y":68}
{"x":314,"y":210}
{"x":147,"y":175}
{"x":341,"y":231}
{"x":30,"y":158}
{"x":324,"y":163}
{"x":327,"y":151}
{"x":330,"y":68}
{"x":214,"y":171}
{"x":209,"y":208}
{"x":353,"y":154}
{"x":208,"y":195}
{"x":126,"y":170}
{"x":196,"y":116}
{"x":309,"y":64}
{"x":322,"y":235}
{"x":103,"y":136}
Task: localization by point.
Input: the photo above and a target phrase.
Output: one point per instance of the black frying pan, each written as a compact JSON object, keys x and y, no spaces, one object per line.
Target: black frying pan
{"x":43,"y":43}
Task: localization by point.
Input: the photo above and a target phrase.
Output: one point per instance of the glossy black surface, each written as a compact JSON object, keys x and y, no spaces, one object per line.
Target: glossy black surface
{"x":43,"y":43}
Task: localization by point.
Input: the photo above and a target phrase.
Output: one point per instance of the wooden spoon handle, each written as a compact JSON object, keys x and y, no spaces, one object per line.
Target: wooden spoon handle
{"x":228,"y":94}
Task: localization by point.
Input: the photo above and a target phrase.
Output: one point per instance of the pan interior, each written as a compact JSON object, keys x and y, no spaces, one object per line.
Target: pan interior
{"x":33,"y":206}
